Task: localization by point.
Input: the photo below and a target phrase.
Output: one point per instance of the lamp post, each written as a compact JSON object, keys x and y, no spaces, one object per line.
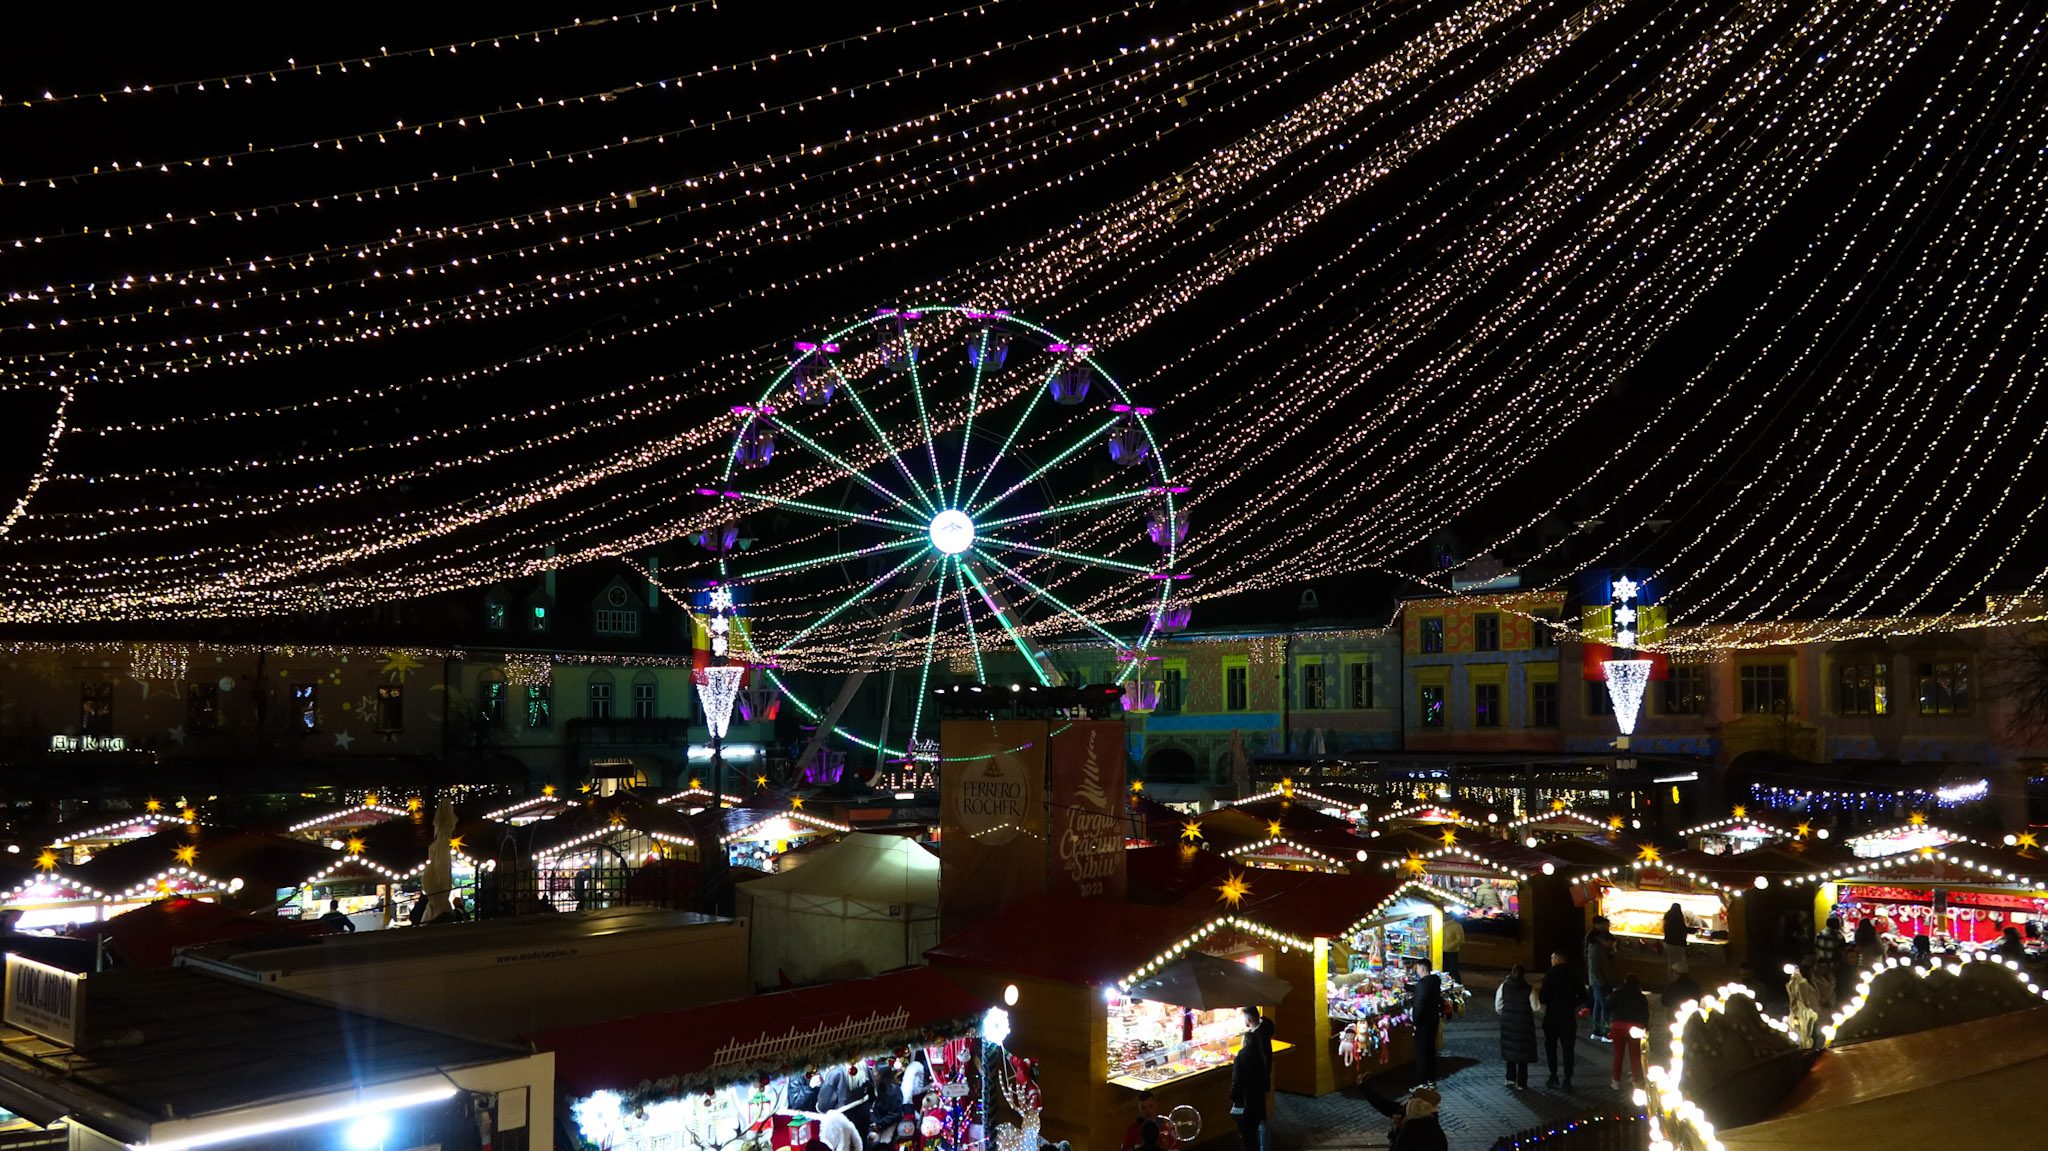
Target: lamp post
{"x":1628,"y":675}
{"x":720,"y":685}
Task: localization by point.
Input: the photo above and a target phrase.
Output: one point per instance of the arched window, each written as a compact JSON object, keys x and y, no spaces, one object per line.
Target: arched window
{"x":600,"y":695}
{"x":646,"y":695}
{"x":490,"y":699}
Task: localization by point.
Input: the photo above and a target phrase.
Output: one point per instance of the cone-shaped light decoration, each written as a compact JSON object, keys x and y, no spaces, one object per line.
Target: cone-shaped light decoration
{"x":722,"y":685}
{"x":1626,"y":681}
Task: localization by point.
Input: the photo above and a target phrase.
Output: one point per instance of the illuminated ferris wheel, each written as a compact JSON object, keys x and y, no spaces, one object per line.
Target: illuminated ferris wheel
{"x":943,"y":483}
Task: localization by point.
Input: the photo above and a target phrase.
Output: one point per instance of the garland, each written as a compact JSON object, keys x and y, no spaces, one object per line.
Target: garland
{"x":652,"y":1091}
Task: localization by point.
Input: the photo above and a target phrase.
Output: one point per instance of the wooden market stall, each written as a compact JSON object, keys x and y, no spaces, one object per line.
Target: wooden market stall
{"x":1961,"y":896}
{"x":1518,"y":903}
{"x":1736,"y":834}
{"x":1736,"y":906}
{"x":1071,"y":962}
{"x":1347,"y":1016}
{"x":80,"y":839}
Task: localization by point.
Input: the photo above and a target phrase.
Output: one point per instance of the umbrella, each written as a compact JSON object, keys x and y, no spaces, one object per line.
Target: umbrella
{"x":1206,"y":983}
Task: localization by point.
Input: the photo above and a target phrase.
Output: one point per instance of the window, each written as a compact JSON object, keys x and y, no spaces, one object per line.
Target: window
{"x":537,"y":618}
{"x":1173,"y":687}
{"x":1486,"y":631}
{"x":1237,"y":681}
{"x":1543,"y":704}
{"x":96,"y":709}
{"x":1433,"y":635}
{"x":1860,"y":688}
{"x":600,"y":699}
{"x":1312,"y":694}
{"x":202,"y":708}
{"x":1542,"y":631}
{"x":1766,"y":687}
{"x":391,"y":707}
{"x":1360,"y":686}
{"x":306,"y":706}
{"x":539,"y":704}
{"x":490,"y":702}
{"x":1432,"y":704}
{"x":1685,"y":692}
{"x":1598,"y":702}
{"x":1485,"y":705}
{"x":617,"y":621}
{"x":494,"y":615}
{"x":1308,"y":601}
{"x":1945,"y":687}
{"x":644,"y":696}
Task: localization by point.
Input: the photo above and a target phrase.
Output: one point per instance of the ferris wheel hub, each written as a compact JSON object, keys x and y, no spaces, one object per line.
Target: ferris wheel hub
{"x":952,"y":532}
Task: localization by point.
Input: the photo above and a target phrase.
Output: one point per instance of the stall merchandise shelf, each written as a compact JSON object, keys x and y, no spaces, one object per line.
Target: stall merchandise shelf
{"x":1167,"y":1073}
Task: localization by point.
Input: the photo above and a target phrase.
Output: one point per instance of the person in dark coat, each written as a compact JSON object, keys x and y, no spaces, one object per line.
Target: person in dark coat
{"x":1420,"y":1129}
{"x":1426,"y":1010}
{"x":1675,"y":932}
{"x":1560,"y":995}
{"x":2011,"y":946}
{"x":1599,"y":948}
{"x":1870,"y":949}
{"x":1251,"y":1077}
{"x":1515,"y":1003}
{"x":885,"y":1108}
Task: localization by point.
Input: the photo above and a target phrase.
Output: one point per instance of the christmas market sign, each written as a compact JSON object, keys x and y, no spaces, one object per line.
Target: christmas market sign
{"x":45,"y":1000}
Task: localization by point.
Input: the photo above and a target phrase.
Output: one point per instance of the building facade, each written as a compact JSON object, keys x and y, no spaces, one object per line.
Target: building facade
{"x":1482,"y":673}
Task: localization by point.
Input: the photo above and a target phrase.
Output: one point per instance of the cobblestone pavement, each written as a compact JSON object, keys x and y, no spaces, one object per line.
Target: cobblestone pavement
{"x":1478,"y":1106}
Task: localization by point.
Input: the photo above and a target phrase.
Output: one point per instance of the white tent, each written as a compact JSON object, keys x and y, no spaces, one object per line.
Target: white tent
{"x":863,"y":905}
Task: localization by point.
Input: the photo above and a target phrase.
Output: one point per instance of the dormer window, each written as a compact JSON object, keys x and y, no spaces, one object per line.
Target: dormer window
{"x":537,"y":618}
{"x":619,"y":618}
{"x":494,"y":615}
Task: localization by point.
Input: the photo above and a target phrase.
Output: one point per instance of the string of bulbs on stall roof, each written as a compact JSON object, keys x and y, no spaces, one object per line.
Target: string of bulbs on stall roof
{"x":339,"y":64}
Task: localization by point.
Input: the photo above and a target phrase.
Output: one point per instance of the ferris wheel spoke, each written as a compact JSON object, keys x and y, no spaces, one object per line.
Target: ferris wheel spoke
{"x":924,"y":421}
{"x":895,"y":501}
{"x":1048,"y":465}
{"x":1065,"y":509}
{"x":931,"y":642}
{"x":967,"y":614}
{"x":827,"y":512}
{"x":1037,"y":394}
{"x":837,"y":557}
{"x":1003,"y":617}
{"x":1059,"y":553}
{"x":838,"y":609}
{"x":888,"y":445}
{"x":1047,"y":596}
{"x":967,"y":428}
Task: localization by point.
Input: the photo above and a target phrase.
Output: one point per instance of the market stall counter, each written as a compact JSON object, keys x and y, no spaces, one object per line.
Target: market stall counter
{"x":1734,"y":906}
{"x":1073,"y":964}
{"x":1517,"y":901}
{"x":1961,"y":896}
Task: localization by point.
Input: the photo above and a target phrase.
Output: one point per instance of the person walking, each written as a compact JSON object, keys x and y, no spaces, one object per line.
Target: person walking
{"x":1827,"y":961}
{"x":1675,"y":932}
{"x":1599,"y":972}
{"x":1629,"y":1011}
{"x":1426,"y":1011}
{"x":1515,"y":1005}
{"x":1454,"y":942}
{"x":1560,"y":996}
{"x":1251,"y":1076}
{"x":1869,"y":949}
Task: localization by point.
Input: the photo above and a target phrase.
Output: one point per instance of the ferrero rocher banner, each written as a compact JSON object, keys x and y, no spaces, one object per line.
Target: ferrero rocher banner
{"x":991,"y":817}
{"x":1085,"y":852}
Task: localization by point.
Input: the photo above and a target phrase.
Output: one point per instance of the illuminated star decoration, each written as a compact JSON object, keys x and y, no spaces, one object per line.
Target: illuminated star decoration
{"x":1804,"y":830}
{"x":187,"y":854}
{"x":1137,"y":785}
{"x":1415,"y":863}
{"x":1557,"y":805}
{"x":796,"y":802}
{"x":413,"y":804}
{"x":1234,"y":889}
{"x":1273,"y":829}
{"x":1450,"y":836}
{"x":1741,"y":812}
{"x":1614,"y":823}
{"x":760,"y":781}
{"x":1648,"y":854}
{"x":355,"y":845}
{"x":1626,"y":588}
{"x":1624,"y":615}
{"x":695,"y":784}
{"x":547,"y":789}
{"x":191,"y":815}
{"x":1917,"y":819}
{"x":617,"y":819}
{"x":153,"y":806}
{"x":455,"y":843}
{"x":1191,"y":831}
{"x":1287,"y":788}
{"x":2026,"y":839}
{"x":370,"y":800}
{"x":721,"y":599}
{"x":399,"y":664}
{"x":47,"y":861}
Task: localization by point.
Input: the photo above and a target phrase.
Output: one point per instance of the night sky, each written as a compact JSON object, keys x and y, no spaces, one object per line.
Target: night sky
{"x":1814,"y":304}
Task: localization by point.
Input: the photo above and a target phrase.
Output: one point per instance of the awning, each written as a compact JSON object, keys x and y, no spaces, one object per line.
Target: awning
{"x":724,"y":1042}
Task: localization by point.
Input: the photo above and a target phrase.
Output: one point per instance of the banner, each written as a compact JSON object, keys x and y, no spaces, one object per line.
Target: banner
{"x":992,"y":826}
{"x":1085,"y":853}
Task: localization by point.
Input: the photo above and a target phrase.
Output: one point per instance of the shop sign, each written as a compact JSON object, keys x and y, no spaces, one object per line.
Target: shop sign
{"x":1087,"y":844}
{"x":954,"y":1090}
{"x":88,"y":743}
{"x":43,"y":999}
{"x":992,"y":816}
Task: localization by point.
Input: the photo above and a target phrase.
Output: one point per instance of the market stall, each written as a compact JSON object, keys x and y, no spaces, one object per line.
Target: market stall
{"x":81,"y":839}
{"x":757,"y":838}
{"x":773,"y":1070}
{"x":863,"y":904}
{"x":1913,"y":835}
{"x":1960,"y":896}
{"x":1074,"y":964}
{"x":331,"y":824}
{"x":1736,"y":834}
{"x":1517,"y":901}
{"x":1739,"y":908}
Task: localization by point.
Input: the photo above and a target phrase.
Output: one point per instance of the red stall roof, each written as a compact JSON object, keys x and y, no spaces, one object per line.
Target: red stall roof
{"x":741,"y":1034}
{"x":1305,"y":903}
{"x":1093,"y":942}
